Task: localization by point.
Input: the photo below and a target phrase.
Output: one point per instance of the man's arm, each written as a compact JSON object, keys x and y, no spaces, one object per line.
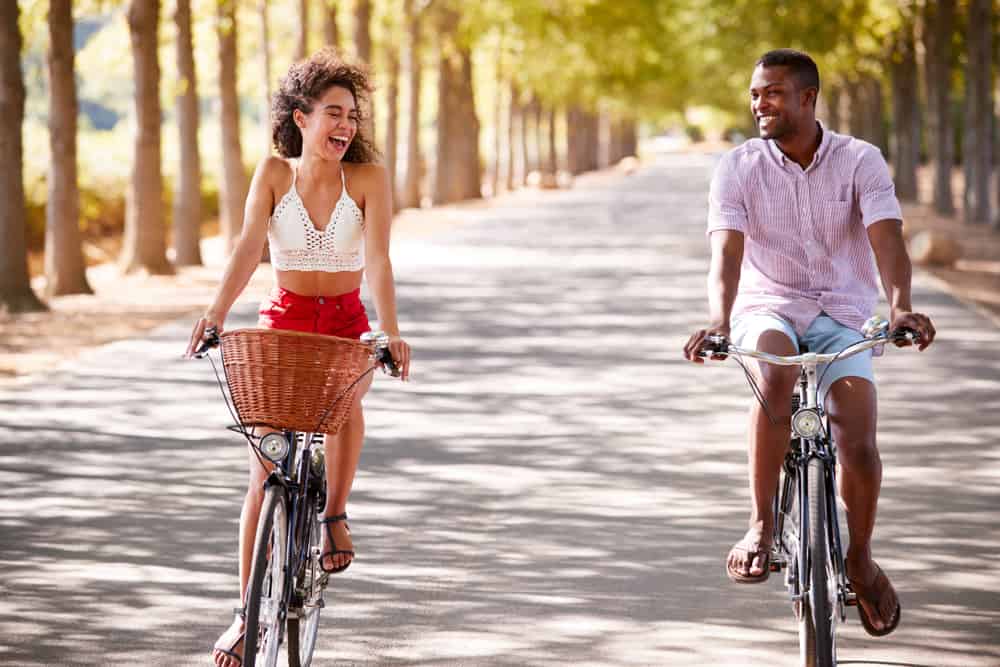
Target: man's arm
{"x":723,"y":283}
{"x":886,"y":237}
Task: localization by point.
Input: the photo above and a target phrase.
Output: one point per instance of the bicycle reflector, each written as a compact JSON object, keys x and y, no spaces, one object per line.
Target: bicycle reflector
{"x":274,"y":446}
{"x":807,"y":423}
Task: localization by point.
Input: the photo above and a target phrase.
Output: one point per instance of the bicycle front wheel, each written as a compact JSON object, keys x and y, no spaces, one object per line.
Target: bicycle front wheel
{"x":303,"y":628}
{"x":266,"y":589}
{"x":819,"y":616}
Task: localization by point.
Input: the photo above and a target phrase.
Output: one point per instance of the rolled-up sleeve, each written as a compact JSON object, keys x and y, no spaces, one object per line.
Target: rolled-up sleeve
{"x":726,"y":207}
{"x":877,"y":193}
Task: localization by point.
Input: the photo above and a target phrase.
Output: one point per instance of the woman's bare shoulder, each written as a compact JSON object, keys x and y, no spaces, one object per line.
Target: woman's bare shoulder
{"x":275,"y":170}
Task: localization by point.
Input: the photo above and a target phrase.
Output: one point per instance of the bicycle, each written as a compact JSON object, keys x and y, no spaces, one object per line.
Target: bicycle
{"x":275,"y":380}
{"x":806,"y":542}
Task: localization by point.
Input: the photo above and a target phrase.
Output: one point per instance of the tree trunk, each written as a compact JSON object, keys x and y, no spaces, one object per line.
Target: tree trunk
{"x":458,"y":173}
{"x":549,"y":177}
{"x":865,"y":111}
{"x":938,"y":32}
{"x":187,"y":200}
{"x":233,"y":184}
{"x":65,"y":271}
{"x":362,"y":30}
{"x":905,"y":113}
{"x":497,"y":115}
{"x":978,"y":145}
{"x":331,"y":32}
{"x":392,"y":121}
{"x":414,"y":165}
{"x":526,"y":166}
{"x":302,"y":30}
{"x":539,"y":153}
{"x":833,"y":107}
{"x":265,"y":67}
{"x":144,"y":247}
{"x":16,"y":295}
{"x":511,"y":137}
{"x":876,"y":119}
{"x":582,"y":141}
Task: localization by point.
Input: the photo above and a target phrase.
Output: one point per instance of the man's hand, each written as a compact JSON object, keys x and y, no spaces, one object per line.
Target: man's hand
{"x":904,"y":319}
{"x":697,"y":339}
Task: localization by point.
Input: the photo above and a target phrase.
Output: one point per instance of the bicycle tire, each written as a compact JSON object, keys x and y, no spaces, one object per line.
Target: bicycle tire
{"x":302,"y":632}
{"x":820,"y":603}
{"x":266,"y":587}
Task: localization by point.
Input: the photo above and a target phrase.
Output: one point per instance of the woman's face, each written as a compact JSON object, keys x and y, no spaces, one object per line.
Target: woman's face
{"x":327,"y":131}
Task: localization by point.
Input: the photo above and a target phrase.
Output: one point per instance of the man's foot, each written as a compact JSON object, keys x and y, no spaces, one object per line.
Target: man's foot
{"x":338,"y":548}
{"x":749,"y":561}
{"x":878,"y":604}
{"x":228,"y":650}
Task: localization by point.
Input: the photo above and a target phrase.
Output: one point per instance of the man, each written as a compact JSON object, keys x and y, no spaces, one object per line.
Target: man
{"x":794,"y":219}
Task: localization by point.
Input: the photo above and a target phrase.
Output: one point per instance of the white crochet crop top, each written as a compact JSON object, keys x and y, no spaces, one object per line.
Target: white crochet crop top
{"x":297,"y":245}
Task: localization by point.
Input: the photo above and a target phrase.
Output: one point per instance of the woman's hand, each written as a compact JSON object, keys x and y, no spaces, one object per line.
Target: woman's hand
{"x":198,"y":333}
{"x":400,"y":351}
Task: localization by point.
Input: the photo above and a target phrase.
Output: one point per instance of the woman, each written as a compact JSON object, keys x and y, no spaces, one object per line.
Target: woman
{"x":324,"y":208}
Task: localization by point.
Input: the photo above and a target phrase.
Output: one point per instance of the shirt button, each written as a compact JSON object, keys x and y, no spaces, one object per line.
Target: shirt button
{"x":338,"y":306}
{"x":321,"y":300}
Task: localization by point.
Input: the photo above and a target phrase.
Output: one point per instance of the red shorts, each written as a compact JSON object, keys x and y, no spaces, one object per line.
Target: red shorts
{"x":342,"y":315}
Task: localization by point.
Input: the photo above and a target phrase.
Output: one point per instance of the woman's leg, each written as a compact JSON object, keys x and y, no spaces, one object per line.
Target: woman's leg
{"x":252,"y":501}
{"x":343,"y":451}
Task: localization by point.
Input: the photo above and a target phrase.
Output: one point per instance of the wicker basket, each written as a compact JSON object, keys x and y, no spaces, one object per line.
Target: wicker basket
{"x":288,"y":379}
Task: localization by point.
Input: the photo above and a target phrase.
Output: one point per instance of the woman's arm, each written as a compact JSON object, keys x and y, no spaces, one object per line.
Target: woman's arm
{"x":247,"y":253}
{"x":378,"y":266}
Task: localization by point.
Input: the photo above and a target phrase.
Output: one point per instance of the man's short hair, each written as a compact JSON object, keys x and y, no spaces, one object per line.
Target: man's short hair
{"x":802,"y":67}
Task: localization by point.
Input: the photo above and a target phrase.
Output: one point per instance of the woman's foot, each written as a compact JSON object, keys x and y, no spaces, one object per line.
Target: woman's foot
{"x":878,"y":604}
{"x":228,"y":650}
{"x":749,"y":561}
{"x":338,"y":548}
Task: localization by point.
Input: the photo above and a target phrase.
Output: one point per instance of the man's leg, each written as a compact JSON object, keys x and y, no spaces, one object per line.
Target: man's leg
{"x":768,"y":446}
{"x":851,"y":405}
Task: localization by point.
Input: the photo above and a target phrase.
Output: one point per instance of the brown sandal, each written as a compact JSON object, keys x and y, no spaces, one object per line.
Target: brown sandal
{"x":752,"y":551}
{"x":873,"y":594}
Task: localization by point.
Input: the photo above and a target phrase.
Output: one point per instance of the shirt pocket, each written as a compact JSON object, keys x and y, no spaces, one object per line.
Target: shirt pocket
{"x":836,"y":224}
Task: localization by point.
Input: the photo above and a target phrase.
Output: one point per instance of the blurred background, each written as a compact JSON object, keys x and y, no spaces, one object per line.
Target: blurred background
{"x":129,"y":129}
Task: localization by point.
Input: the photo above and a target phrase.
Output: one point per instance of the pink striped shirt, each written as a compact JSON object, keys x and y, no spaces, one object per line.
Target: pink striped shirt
{"x":806,"y":249}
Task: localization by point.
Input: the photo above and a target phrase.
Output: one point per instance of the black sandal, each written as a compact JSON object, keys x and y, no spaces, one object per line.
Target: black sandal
{"x":231,"y":651}
{"x":333,"y":543}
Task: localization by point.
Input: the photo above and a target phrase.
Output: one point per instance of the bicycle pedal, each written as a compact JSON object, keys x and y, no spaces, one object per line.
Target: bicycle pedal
{"x":851,"y":600}
{"x":775,"y":566}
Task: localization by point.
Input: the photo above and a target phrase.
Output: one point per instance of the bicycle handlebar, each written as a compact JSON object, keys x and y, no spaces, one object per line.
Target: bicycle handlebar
{"x":720,"y":346}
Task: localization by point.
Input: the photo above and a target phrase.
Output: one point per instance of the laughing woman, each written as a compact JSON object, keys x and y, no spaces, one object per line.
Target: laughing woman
{"x":324,"y":209}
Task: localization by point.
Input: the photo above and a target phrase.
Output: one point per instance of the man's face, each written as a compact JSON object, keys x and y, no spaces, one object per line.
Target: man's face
{"x":778,"y":106}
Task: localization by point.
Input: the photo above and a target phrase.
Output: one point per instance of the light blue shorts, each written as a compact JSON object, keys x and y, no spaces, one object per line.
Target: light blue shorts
{"x":824,"y":335}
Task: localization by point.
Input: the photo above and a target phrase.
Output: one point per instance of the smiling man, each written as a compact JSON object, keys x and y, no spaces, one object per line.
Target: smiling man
{"x":796,"y":219}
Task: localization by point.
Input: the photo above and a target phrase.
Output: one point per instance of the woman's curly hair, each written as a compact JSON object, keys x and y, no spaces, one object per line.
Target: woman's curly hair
{"x":304,"y":83}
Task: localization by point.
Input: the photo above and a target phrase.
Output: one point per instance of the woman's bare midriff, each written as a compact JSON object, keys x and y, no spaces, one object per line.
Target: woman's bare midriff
{"x":319,"y":283}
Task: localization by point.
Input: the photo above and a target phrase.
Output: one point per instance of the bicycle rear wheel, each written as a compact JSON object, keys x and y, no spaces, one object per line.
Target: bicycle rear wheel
{"x":266,"y":589}
{"x":302,"y":630}
{"x":817,"y":620}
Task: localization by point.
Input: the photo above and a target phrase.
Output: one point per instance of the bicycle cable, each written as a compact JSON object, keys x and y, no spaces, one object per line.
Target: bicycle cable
{"x":758,"y":394}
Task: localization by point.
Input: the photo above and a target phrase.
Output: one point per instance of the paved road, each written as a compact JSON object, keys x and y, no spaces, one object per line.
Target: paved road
{"x":555,"y":487}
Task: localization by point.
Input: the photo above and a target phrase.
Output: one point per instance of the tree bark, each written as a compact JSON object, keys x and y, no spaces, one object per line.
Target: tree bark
{"x":302,"y":30}
{"x":331,"y":31}
{"x":938,"y":32}
{"x":549,"y":177}
{"x":497,"y":116}
{"x":16,"y":295}
{"x":233,"y":185}
{"x":582,"y":141}
{"x":512,"y":115}
{"x":65,"y":270}
{"x":392,"y":121}
{"x":978,"y":145}
{"x":414,"y":164}
{"x":458,"y":173}
{"x":539,"y":135}
{"x":865,"y":111}
{"x":144,"y":247}
{"x":187,"y":200}
{"x":833,"y":107}
{"x":362,"y":30}
{"x":905,"y":113}
{"x":526,"y":165}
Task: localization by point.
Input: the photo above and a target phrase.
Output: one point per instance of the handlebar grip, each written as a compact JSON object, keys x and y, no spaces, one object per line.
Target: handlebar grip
{"x":906,"y":332}
{"x":384,"y":356}
{"x":209,"y":339}
{"x":714,"y":346}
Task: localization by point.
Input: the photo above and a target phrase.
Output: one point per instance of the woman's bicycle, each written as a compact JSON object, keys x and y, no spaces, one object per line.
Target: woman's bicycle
{"x":296,"y":387}
{"x":806,"y":542}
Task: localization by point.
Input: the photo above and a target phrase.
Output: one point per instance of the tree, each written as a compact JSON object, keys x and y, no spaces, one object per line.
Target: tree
{"x":331,"y":33}
{"x":938,"y":31}
{"x":144,"y":246}
{"x":302,"y":31}
{"x":65,"y":270}
{"x":265,"y":66}
{"x":362,"y":30}
{"x":977,"y":150}
{"x":413,"y":15}
{"x":392,"y":120}
{"x":16,"y":295}
{"x":905,"y":151}
{"x":512,"y":119}
{"x":233,"y":186}
{"x":187,"y":200}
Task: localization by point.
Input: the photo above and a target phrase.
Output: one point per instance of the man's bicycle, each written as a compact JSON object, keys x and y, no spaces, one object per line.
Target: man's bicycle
{"x":295,"y":387}
{"x":806,"y":541}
